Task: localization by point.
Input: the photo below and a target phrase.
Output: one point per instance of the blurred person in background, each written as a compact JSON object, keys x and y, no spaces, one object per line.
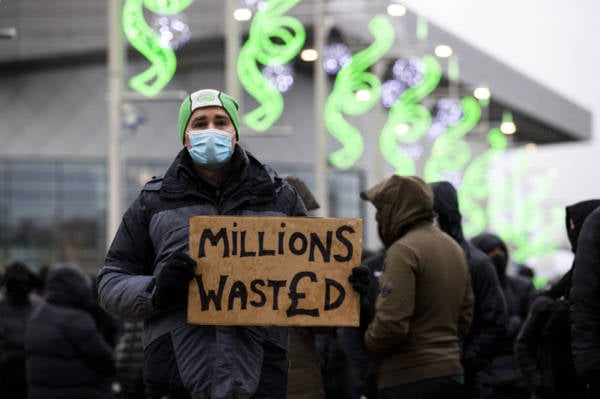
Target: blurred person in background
{"x":585,"y":305}
{"x":486,"y":337}
{"x":129,"y":360}
{"x":15,"y":308}
{"x":66,"y":355}
{"x":543,"y":346}
{"x":425,"y":300}
{"x":502,"y":379}
{"x":304,"y":377}
{"x":361,"y":368}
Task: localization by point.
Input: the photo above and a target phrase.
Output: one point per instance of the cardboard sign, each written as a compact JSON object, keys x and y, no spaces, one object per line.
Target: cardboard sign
{"x":274,"y":270}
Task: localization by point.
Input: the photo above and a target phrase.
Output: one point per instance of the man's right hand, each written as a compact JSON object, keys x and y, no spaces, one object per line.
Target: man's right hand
{"x":173,"y":281}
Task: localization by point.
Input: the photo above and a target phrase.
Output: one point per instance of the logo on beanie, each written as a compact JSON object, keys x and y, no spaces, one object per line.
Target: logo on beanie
{"x":206,"y":96}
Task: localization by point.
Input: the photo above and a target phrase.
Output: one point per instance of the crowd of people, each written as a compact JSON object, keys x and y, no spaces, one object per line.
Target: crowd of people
{"x":440,"y":315}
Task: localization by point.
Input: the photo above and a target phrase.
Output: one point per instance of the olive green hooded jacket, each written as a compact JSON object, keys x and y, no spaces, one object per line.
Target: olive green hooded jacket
{"x":425,"y":302}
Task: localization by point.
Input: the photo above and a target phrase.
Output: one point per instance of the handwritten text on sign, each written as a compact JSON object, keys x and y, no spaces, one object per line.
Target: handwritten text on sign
{"x":274,"y":270}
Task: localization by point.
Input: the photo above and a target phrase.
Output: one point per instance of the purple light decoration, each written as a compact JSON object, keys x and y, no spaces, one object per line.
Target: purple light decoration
{"x":391,"y":91}
{"x":436,"y":129}
{"x":449,"y":112}
{"x":336,"y":56}
{"x":173,"y":30}
{"x":413,"y":150}
{"x":281,"y":76}
{"x":256,"y":4}
{"x":408,"y":71}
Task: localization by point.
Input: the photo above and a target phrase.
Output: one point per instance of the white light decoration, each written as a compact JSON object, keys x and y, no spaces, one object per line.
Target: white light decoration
{"x":443,"y":51}
{"x":363,"y":95}
{"x":401,"y":129}
{"x":242,"y":14}
{"x":309,"y":55}
{"x":482,"y":93}
{"x":173,"y":30}
{"x":281,"y":76}
{"x":507,"y":126}
{"x":396,"y":10}
{"x":336,"y":55}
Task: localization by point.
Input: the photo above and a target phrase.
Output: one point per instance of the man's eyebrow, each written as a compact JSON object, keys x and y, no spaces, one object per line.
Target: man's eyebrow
{"x":199,"y":118}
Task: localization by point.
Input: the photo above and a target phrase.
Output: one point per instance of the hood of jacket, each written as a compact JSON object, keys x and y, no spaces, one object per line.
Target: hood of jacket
{"x":576,"y":214}
{"x":401,"y":202}
{"x":445,"y":205}
{"x":69,"y":287}
{"x":487,"y":242}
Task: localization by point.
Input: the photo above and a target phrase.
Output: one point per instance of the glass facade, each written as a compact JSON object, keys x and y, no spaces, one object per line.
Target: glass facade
{"x":52,"y":211}
{"x":55,"y":211}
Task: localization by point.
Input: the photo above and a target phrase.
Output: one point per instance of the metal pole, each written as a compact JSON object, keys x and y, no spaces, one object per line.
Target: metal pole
{"x":115,"y":89}
{"x":232,"y":49}
{"x":321,"y":169}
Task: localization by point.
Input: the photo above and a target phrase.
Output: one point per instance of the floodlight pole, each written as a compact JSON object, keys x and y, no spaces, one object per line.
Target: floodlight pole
{"x":116,"y":56}
{"x":321,"y":165}
{"x":232,"y":49}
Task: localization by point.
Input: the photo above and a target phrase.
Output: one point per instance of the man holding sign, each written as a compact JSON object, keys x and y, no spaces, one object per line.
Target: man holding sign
{"x":148,"y":269}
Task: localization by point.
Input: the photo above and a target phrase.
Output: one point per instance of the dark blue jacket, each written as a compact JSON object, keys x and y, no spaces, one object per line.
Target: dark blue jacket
{"x":214,"y":361}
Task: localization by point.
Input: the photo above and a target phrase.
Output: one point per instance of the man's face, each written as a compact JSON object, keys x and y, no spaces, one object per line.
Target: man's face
{"x":210,"y":118}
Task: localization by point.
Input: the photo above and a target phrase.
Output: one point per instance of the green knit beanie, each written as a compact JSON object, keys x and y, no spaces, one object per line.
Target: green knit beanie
{"x":207,"y":98}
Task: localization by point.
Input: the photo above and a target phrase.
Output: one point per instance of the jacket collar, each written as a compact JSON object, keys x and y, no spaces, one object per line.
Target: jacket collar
{"x":248,"y":179}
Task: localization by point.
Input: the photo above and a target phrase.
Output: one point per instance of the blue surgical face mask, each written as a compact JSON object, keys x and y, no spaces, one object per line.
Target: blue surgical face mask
{"x":210,"y":148}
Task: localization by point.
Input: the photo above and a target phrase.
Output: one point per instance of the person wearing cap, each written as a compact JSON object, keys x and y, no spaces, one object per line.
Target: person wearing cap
{"x":425,"y":300}
{"x":147,"y":269}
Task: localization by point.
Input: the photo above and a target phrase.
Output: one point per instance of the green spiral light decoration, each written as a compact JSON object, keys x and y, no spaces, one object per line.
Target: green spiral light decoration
{"x":525,"y":223}
{"x":145,"y":40}
{"x":449,"y":152}
{"x":474,"y":189}
{"x":415,"y":117}
{"x":354,"y":77}
{"x":274,"y":39}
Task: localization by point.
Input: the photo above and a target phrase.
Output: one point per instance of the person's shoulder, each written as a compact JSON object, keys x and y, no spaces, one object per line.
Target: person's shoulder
{"x":541,"y":303}
{"x":522,"y":283}
{"x":153,"y":184}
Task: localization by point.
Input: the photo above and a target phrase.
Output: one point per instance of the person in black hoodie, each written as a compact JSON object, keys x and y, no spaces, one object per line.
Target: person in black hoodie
{"x":503,"y":378}
{"x":543,"y":346}
{"x":585,"y":305}
{"x":486,"y":336}
{"x":15,"y":308}
{"x":66,"y":355}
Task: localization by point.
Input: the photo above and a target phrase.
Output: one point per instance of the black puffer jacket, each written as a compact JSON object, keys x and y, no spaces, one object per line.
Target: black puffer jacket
{"x":67,"y":357}
{"x":585,"y":300}
{"x":486,"y":336}
{"x":543,"y":345}
{"x":15,"y":309}
{"x":129,"y":357}
{"x":519,"y":292}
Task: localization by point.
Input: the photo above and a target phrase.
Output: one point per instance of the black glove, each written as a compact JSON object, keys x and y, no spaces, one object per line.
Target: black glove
{"x":173,"y":281}
{"x":360,"y":280}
